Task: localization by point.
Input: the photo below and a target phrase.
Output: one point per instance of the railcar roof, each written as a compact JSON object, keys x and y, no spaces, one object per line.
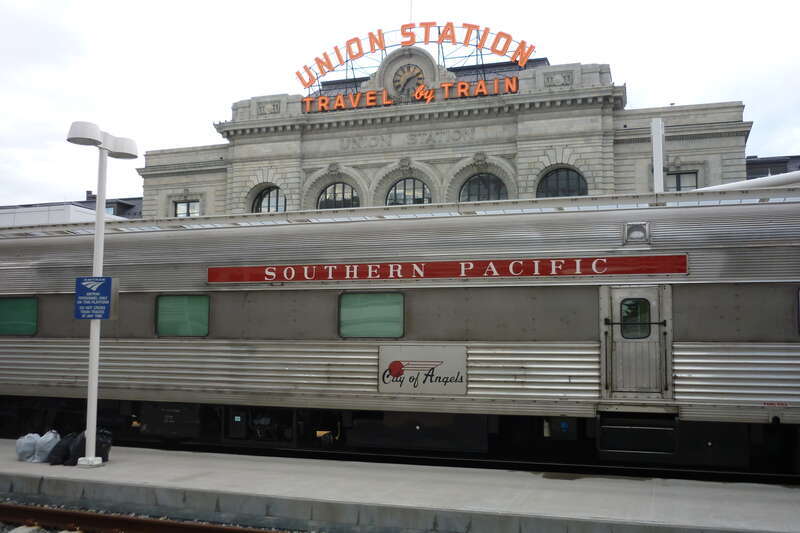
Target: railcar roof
{"x":693,"y":199}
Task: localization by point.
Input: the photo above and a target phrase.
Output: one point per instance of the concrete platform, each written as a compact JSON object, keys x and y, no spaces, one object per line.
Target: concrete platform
{"x":336,"y":496}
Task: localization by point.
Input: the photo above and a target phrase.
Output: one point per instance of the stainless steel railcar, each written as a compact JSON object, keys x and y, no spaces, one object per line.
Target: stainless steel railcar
{"x":697,"y":363}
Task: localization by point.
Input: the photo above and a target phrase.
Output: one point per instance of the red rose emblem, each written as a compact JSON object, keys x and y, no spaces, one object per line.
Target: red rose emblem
{"x":395,"y":369}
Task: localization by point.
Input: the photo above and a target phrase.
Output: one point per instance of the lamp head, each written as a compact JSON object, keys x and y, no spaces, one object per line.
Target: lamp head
{"x":85,"y":133}
{"x":122,"y":148}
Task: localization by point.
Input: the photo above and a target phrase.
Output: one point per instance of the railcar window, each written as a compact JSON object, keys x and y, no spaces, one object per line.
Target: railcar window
{"x":18,"y":316}
{"x":182,"y":316}
{"x":373,"y":314}
{"x":635,"y":313}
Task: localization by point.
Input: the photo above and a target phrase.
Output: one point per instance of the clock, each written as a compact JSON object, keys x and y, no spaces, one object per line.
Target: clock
{"x":406,"y":79}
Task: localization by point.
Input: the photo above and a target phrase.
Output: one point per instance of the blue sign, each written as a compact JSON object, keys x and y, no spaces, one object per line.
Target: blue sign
{"x":92,"y":298}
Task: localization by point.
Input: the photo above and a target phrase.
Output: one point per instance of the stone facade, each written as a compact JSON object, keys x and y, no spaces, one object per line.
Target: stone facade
{"x":562,"y":116}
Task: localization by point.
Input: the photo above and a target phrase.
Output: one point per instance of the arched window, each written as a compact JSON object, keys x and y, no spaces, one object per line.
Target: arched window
{"x":338,"y":195}
{"x":270,"y":200}
{"x":408,"y":191}
{"x":562,"y":182}
{"x":483,"y":187}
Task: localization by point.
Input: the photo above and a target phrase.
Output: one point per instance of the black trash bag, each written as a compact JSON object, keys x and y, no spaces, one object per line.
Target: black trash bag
{"x":60,"y":451}
{"x":103,"y":444}
{"x":77,"y":449}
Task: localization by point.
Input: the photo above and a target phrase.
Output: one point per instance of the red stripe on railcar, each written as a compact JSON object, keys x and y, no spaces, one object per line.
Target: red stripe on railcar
{"x":483,"y":268}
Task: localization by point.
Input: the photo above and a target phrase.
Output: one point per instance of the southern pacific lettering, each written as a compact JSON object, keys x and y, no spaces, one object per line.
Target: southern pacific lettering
{"x":499,"y":268}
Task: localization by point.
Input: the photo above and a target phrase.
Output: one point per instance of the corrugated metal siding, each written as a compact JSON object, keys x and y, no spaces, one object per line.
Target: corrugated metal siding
{"x":196,"y":365}
{"x":761,"y":374}
{"x":526,"y":371}
{"x":713,"y":381}
{"x":714,"y":412}
{"x":725,"y":243}
{"x":554,"y":370}
{"x":637,"y":365}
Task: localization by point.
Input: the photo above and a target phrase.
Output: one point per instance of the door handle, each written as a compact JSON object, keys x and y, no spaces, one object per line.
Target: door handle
{"x":666,"y":370}
{"x":607,"y":361}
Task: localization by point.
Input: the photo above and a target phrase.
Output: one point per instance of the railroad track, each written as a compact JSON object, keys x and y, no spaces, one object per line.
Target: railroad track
{"x":90,"y":522}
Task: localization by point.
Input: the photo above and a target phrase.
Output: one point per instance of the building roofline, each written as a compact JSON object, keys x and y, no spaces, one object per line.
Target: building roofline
{"x":770,"y":158}
{"x":584,"y":204}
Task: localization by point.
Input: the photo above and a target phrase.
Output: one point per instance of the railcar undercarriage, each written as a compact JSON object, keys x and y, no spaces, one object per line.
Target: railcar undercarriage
{"x":611,"y":438}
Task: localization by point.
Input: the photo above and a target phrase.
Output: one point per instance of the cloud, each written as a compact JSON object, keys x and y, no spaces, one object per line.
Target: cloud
{"x":163,"y":72}
{"x":32,"y":38}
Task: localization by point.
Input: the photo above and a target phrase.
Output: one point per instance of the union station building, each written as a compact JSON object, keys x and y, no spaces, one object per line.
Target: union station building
{"x":416,"y":132}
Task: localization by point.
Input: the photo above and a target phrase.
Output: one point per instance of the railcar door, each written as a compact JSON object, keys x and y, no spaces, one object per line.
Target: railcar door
{"x":638,"y":356}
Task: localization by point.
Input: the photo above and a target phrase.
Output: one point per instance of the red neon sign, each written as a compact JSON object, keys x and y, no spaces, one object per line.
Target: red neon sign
{"x":465,"y":34}
{"x":423,"y":93}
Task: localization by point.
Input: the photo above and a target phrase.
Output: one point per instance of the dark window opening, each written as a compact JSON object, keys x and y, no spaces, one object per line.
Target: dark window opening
{"x":483,"y":187}
{"x":680,"y":181}
{"x":189,"y":208}
{"x":269,"y":200}
{"x":562,"y":182}
{"x":408,"y":191}
{"x":338,"y":195}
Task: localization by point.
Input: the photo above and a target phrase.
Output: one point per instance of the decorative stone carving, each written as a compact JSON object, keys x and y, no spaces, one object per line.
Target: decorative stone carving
{"x":333,"y":168}
{"x":262,"y":174}
{"x":479,"y":161}
{"x":268,"y":108}
{"x":558,"y":79}
{"x":405,"y":163}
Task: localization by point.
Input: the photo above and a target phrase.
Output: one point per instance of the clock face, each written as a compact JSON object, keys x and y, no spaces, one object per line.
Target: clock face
{"x":406,"y":79}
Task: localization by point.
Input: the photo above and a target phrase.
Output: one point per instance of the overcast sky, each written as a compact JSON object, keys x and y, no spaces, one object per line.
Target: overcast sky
{"x":162,"y":72}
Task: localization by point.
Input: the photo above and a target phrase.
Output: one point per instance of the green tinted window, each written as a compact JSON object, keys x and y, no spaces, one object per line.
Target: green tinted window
{"x":635,"y":314}
{"x":371,"y":315}
{"x":18,"y":316}
{"x":182,"y":316}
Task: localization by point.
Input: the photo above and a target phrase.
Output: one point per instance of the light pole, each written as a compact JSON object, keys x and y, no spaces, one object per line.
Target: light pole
{"x":89,"y":134}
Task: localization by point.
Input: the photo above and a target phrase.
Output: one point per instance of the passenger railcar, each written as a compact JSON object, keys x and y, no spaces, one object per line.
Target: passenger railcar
{"x":660,"y":328}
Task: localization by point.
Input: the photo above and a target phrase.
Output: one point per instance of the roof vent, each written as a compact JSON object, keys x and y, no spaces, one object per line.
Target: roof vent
{"x":636,"y":233}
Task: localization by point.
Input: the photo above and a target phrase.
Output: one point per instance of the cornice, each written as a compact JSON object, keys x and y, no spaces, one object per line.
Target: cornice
{"x":182,"y":168}
{"x":473,"y":107}
{"x":685,"y":132}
